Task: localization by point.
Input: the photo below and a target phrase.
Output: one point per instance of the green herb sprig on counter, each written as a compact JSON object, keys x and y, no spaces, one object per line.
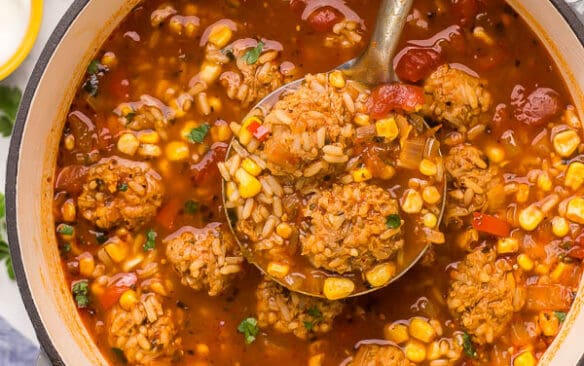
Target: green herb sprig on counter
{"x":4,"y":251}
{"x":9,"y":101}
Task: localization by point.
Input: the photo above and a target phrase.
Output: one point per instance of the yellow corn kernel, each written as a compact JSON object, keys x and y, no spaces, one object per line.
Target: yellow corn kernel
{"x":284,"y":230}
{"x":109,"y":59}
{"x":560,"y":226}
{"x":86,"y":264}
{"x":245,"y":135}
{"x":525,"y":262}
{"x":128,"y":300}
{"x":202,"y":350}
{"x":249,"y":186}
{"x":430,"y":220}
{"x":422,"y":330}
{"x":380,"y":274}
{"x":220,"y":35}
{"x":525,"y":359}
{"x":507,"y":245}
{"x":149,"y":137}
{"x":316,"y":360}
{"x":431,"y":195}
{"x":566,"y":143}
{"x":362,"y":174}
{"x":336,"y":288}
{"x":158,"y":288}
{"x":128,"y":144}
{"x":175,"y":26}
{"x":544,"y":182}
{"x":337,"y":79}
{"x":480,"y":33}
{"x":575,"y":175}
{"x":415,"y":351}
{"x":559,"y":270}
{"x":495,"y":154}
{"x":209,"y":72}
{"x":575,"y":210}
{"x":69,"y":142}
{"x":97,"y":289}
{"x":387,"y":128}
{"x":186,"y":129}
{"x":220,"y":132}
{"x":522,"y":194}
{"x":177,"y":151}
{"x":117,"y":251}
{"x":150,"y":150}
{"x":396,"y":332}
{"x":68,"y":211}
{"x":428,"y":167}
{"x":549,"y":323}
{"x":530,"y":217}
{"x":412,"y":201}
{"x":278,"y":270}
{"x":433,"y":352}
{"x":251,"y":167}
{"x":362,"y":119}
{"x":215,"y":104}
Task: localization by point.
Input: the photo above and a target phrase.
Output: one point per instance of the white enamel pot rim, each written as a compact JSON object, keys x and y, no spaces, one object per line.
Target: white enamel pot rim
{"x":32,"y":157}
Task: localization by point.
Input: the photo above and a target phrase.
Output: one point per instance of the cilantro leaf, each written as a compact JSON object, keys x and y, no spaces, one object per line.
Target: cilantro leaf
{"x":308,"y":325}
{"x":316,"y":315}
{"x":198,"y":134}
{"x":94,"y":67}
{"x":150,"y":240}
{"x":191,"y":207}
{"x":122,"y":187}
{"x":65,"y":229}
{"x":252,"y":56}
{"x":81,"y":293}
{"x":393,"y":221}
{"x":9,"y":102}
{"x":467,"y":346}
{"x":91,"y":85}
{"x":5,"y":256}
{"x":249,"y":328}
{"x":560,"y":315}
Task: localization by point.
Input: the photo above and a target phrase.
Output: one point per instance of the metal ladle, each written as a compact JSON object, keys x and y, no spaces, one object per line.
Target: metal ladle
{"x":373,"y":67}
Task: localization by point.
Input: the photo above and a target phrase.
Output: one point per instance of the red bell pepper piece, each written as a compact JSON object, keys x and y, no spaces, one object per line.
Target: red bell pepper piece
{"x":490,"y":224}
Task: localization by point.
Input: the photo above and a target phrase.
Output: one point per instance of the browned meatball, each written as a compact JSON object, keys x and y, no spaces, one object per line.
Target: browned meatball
{"x":205,"y":259}
{"x":376,"y":355}
{"x":119,"y":192}
{"x":290,"y":312}
{"x":146,"y":333}
{"x":484,"y":294}
{"x":348,"y":228}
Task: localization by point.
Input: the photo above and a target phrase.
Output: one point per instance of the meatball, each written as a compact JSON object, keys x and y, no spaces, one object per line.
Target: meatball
{"x":376,"y":355}
{"x":474,"y":186}
{"x":146,"y":333}
{"x":118,"y":192}
{"x":484,"y":294}
{"x":348,"y":228}
{"x":205,"y":259}
{"x":456,"y":97}
{"x":290,"y":312}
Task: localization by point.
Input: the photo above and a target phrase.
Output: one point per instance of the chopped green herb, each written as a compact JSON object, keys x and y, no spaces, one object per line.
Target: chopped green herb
{"x":467,"y":346}
{"x":65,"y":229}
{"x":150,"y":240}
{"x":560,"y":315}
{"x":120,"y":355}
{"x":249,"y":328}
{"x":94,"y":67}
{"x":66,"y":248}
{"x":91,"y":85}
{"x":198,"y":134}
{"x":252,"y":56}
{"x":9,"y":101}
{"x":191,"y":207}
{"x":393,"y":221}
{"x":81,"y":293}
{"x":308,"y":325}
{"x":122,"y":187}
{"x":314,"y":312}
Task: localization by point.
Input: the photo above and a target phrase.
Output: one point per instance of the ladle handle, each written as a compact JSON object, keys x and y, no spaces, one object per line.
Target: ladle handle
{"x":375,"y":65}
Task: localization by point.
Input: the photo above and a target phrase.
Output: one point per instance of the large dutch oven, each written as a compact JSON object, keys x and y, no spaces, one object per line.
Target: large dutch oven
{"x":33,"y":154}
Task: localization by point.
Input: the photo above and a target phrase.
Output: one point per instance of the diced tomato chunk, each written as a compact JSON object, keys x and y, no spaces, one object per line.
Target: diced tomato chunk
{"x":465,"y":10}
{"x":206,"y":169}
{"x":117,"y":285}
{"x":538,"y":108}
{"x":417,"y":64}
{"x":71,"y":178}
{"x":389,"y":97}
{"x":490,"y":224}
{"x":323,"y":19}
{"x":168,"y":213}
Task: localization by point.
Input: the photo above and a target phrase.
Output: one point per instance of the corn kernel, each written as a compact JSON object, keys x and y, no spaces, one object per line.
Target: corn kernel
{"x":542,"y":269}
{"x":575,"y":175}
{"x":430,"y":220}
{"x":177,"y":151}
{"x":220,"y":35}
{"x":175,"y":25}
{"x":396,"y":332}
{"x":560,"y":226}
{"x":575,"y":210}
{"x":525,"y":262}
{"x":433,"y":352}
{"x":69,"y":142}
{"x":220,"y":132}
{"x":284,"y":230}
{"x":249,"y":186}
{"x":336,"y":288}
{"x":387,"y":128}
{"x":128,"y":144}
{"x":507,"y":245}
{"x":544,"y":182}
{"x":97,"y":289}
{"x":215,"y":104}
{"x":185,"y":131}
{"x":86,"y":264}
{"x":480,"y":33}
{"x":549,"y":323}
{"x":566,"y":143}
{"x":422,"y":330}
{"x":251,"y":167}
{"x":415,"y":351}
{"x":117,"y":251}
{"x":109,"y":59}
{"x":559,"y":270}
{"x":525,"y":359}
{"x":337,"y":79}
{"x":202,"y":350}
{"x":362,"y":119}
{"x":209,"y":72}
{"x":495,"y":154}
{"x":412,"y":201}
{"x":149,"y":137}
{"x":530,"y":217}
{"x":128,"y":300}
{"x":316,"y":360}
{"x":522,"y":194}
{"x":428,"y":167}
{"x":431,"y":195}
{"x":380,"y":274}
{"x":278,"y":270}
{"x":362,"y":174}
{"x":150,"y":150}
{"x":245,"y":135}
{"x":68,"y":211}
